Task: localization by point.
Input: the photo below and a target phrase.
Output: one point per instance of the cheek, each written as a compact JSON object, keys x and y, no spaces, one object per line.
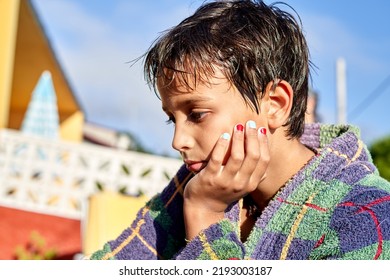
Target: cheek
{"x":212,"y":134}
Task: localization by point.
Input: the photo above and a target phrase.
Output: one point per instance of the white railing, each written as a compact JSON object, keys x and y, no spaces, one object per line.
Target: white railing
{"x":57,"y":177}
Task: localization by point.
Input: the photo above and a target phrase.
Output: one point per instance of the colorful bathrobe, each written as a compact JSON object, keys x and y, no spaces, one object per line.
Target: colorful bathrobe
{"x":336,"y":207}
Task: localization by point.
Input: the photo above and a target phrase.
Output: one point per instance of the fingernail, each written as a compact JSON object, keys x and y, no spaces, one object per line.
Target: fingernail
{"x":252,"y":124}
{"x":225,"y":136}
{"x":240,"y":127}
{"x":263,"y":130}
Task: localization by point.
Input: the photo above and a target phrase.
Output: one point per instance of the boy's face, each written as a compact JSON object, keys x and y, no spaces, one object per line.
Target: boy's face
{"x":202,"y":115}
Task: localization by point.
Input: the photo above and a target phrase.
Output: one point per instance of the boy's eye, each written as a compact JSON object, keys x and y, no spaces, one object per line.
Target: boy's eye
{"x":192,"y":117}
{"x":196,"y":116}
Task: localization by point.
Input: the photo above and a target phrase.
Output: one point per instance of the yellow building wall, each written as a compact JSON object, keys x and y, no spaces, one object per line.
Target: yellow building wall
{"x":109,"y":214}
{"x":25,"y":52}
{"x":9,"y":11}
{"x":71,"y":129}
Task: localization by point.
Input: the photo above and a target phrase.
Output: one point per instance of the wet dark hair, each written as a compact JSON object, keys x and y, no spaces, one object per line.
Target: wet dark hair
{"x":250,"y":42}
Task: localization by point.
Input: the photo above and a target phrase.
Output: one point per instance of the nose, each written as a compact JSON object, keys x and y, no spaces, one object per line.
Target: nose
{"x":182,"y":140}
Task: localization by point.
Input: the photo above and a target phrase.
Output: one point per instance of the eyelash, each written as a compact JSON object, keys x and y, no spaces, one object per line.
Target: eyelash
{"x":195,"y":117}
{"x":170,"y":120}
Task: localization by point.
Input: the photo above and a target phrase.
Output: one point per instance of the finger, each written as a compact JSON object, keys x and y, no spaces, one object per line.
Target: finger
{"x":218,"y":153}
{"x":264,"y":148}
{"x":252,"y":151}
{"x":264,"y":154}
{"x":237,"y":152}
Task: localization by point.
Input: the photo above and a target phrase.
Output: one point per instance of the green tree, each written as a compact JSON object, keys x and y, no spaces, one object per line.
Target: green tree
{"x":380,"y":151}
{"x":35,"y":249}
{"x":135,"y":143}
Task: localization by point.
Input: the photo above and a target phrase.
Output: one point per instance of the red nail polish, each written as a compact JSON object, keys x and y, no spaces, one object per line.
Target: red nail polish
{"x":263,"y":130}
{"x":240,"y":127}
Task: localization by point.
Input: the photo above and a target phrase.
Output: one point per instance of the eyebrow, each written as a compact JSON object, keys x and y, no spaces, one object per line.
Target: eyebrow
{"x":198,"y":99}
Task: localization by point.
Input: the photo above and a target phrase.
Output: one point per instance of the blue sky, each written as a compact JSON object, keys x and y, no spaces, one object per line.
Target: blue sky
{"x":95,"y":40}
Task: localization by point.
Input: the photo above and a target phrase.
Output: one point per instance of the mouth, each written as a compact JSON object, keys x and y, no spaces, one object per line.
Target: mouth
{"x":195,"y":166}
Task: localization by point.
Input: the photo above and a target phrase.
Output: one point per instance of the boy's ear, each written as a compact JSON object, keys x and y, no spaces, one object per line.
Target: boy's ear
{"x":279,"y":96}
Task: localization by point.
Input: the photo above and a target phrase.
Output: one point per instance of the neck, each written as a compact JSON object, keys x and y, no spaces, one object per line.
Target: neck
{"x":287,"y":158}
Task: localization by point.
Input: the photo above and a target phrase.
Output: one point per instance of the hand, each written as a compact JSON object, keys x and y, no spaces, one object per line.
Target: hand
{"x":214,"y":188}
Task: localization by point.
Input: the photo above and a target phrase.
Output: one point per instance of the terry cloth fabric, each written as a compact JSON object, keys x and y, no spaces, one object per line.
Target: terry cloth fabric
{"x":336,"y":207}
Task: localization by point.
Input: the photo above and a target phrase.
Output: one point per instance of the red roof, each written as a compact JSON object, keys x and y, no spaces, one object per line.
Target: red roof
{"x":61,"y":234}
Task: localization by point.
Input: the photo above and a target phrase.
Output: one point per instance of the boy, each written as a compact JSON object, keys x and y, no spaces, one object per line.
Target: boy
{"x":256,"y":183}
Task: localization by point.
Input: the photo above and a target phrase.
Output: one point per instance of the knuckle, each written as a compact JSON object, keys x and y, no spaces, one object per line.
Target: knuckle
{"x":240,"y":185}
{"x":215,"y":159}
{"x":265,"y":157}
{"x":238,"y":188}
{"x":238,"y":136}
{"x":253,"y":184}
{"x":254,"y":155}
{"x":252,"y":133}
{"x":237,"y":157}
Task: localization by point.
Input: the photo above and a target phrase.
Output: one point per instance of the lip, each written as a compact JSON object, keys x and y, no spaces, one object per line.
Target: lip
{"x":195,"y":166}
